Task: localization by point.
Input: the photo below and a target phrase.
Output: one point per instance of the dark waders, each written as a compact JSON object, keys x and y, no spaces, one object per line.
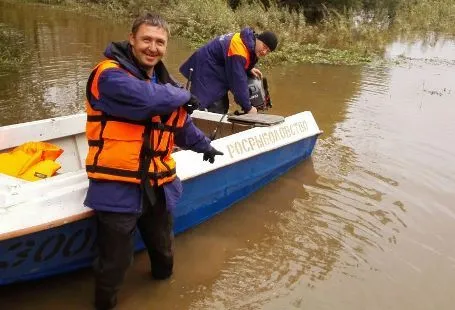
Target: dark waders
{"x":115,"y":246}
{"x":115,"y":240}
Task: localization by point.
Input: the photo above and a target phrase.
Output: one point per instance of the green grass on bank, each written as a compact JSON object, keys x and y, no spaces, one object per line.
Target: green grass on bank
{"x":346,"y":37}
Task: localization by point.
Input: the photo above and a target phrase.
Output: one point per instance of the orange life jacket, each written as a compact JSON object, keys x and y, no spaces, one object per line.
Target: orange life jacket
{"x":127,"y":150}
{"x":31,"y":161}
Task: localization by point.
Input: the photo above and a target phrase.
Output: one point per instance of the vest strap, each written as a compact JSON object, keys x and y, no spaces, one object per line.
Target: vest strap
{"x":153,"y":125}
{"x":128,"y":173}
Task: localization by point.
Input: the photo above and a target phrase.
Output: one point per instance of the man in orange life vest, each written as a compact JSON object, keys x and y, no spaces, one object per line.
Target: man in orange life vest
{"x":135,"y":112}
{"x":224,"y":64}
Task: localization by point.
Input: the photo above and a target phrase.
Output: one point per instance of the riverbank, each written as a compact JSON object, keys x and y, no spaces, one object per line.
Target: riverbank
{"x":347,"y":38}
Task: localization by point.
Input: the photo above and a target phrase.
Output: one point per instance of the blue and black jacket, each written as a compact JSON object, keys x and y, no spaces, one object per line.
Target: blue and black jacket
{"x":128,"y":92}
{"x":222,"y":65}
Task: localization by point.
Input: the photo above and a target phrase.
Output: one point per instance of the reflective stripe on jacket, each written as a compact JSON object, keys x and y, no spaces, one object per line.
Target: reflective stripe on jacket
{"x":127,"y":150}
{"x":237,"y":47}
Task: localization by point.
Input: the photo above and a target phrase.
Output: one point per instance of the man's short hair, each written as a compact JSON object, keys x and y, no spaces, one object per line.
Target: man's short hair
{"x":150,"y":19}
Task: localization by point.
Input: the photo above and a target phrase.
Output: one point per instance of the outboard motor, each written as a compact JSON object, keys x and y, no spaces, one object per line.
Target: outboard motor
{"x":259,"y":93}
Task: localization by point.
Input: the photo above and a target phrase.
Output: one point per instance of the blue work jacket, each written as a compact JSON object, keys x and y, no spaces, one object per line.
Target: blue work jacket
{"x":216,"y":70}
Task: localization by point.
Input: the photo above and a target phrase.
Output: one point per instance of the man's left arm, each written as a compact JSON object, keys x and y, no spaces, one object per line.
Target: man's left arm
{"x":192,"y":138}
{"x":189,"y":137}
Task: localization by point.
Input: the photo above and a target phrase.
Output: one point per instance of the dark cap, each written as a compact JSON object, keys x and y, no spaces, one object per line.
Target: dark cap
{"x":269,"y":39}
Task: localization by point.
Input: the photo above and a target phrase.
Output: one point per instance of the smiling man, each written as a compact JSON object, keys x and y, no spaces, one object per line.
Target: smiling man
{"x":135,"y":113}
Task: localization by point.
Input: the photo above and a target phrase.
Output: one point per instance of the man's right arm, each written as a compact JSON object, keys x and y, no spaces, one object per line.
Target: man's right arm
{"x":125,"y":96}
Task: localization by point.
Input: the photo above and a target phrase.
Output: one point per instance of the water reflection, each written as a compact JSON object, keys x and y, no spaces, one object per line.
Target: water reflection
{"x":321,"y":89}
{"x":324,"y":224}
{"x":361,"y":218}
{"x":435,"y":48}
{"x":51,"y":83}
{"x":65,"y":46}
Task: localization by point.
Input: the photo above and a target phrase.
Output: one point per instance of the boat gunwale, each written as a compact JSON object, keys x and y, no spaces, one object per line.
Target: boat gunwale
{"x":45,"y":226}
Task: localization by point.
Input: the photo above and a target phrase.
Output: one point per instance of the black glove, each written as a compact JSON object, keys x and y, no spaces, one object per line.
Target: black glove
{"x":210,"y":155}
{"x":192,"y":104}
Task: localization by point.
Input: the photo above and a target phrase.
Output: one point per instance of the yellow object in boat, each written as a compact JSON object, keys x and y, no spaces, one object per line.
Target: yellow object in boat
{"x":31,"y":161}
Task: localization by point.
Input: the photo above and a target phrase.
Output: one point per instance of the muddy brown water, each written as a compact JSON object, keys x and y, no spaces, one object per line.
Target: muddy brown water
{"x":366,"y":223}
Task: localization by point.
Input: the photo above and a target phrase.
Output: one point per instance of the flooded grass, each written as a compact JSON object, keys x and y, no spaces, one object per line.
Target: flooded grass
{"x":426,"y":16}
{"x":349,"y":37}
{"x":12,"y":48}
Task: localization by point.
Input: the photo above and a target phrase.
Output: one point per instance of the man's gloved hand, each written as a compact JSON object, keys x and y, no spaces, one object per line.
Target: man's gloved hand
{"x":210,"y":155}
{"x":192,"y":104}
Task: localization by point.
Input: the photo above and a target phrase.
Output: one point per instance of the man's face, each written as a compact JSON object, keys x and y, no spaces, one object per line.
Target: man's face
{"x":149,"y":45}
{"x":261,"y":49}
